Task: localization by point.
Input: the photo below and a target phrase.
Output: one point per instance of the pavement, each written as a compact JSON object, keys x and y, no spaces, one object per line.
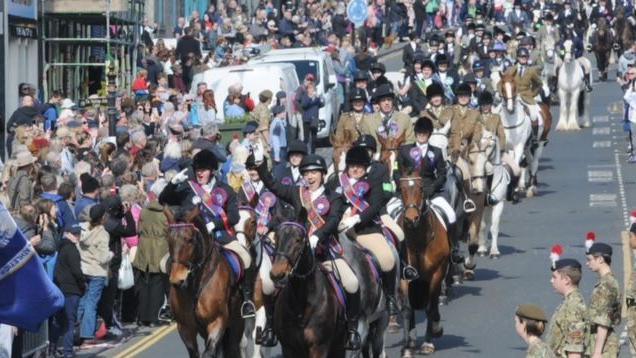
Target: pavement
{"x":585,"y":185}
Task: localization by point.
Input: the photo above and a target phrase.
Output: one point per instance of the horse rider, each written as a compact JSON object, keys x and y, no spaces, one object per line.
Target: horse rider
{"x":251,"y":189}
{"x":360,"y":81}
{"x":364,"y":199}
{"x":377,"y":76}
{"x":416,"y":84}
{"x":483,"y":82}
{"x":442,"y":115}
{"x":529,"y":85}
{"x":289,"y":173}
{"x":355,"y":119}
{"x":548,"y":31}
{"x":323,"y":209}
{"x":502,"y":62}
{"x":579,"y":54}
{"x":387,"y":117}
{"x":491,"y":121}
{"x":446,"y":76}
{"x":471,"y":80}
{"x":534,"y":58}
{"x":219,"y":210}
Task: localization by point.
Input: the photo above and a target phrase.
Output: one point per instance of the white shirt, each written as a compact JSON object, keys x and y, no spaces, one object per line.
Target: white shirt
{"x":208,"y":187}
{"x":295,"y":173}
{"x":317,"y":193}
{"x":423,"y":148}
{"x":258,"y":186}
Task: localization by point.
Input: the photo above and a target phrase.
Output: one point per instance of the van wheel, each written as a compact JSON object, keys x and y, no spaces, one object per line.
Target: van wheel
{"x":324,"y":142}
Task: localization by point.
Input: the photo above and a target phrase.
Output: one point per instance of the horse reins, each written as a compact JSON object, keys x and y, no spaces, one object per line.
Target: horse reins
{"x":293,"y":272}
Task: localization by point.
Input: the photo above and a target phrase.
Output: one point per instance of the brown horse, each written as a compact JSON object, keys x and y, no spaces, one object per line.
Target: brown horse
{"x":428,"y":250}
{"x":203,"y":297}
{"x":389,"y":149}
{"x":308,"y":319}
{"x":341,"y":144}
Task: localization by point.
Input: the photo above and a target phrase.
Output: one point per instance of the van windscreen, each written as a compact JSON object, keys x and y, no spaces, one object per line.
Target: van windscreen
{"x":305,"y":67}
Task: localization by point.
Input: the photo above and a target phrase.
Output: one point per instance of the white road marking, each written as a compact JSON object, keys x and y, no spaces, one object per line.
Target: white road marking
{"x":600,"y":119}
{"x":600,"y":176}
{"x":602,"y":200}
{"x":621,"y":186}
{"x":602,"y":144}
{"x":601,"y":131}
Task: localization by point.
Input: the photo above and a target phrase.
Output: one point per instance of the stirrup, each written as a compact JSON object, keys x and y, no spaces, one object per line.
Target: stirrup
{"x":409,"y":273}
{"x":469,"y":206}
{"x":353,"y":340}
{"x":248,"y":310}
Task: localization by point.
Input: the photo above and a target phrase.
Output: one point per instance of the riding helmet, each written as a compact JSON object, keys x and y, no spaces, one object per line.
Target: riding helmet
{"x":378,"y":67}
{"x":313,"y":162}
{"x":424,"y":125}
{"x":434,"y":89}
{"x":463,"y":90}
{"x":358,"y":94}
{"x":485,"y":98}
{"x":523,"y":52}
{"x":478,"y":66}
{"x":366,"y":141}
{"x":470,"y":79}
{"x":383,"y":91}
{"x":548,"y":17}
{"x":358,"y":156}
{"x":361,"y":76}
{"x":298,"y":147}
{"x":442,"y":59}
{"x":526,"y":41}
{"x":204,"y":160}
{"x":428,"y":63}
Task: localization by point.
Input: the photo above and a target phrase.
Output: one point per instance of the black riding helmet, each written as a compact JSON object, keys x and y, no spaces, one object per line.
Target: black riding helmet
{"x":204,"y":160}
{"x":486,"y":99}
{"x":463,"y":90}
{"x":383,"y":91}
{"x":434,"y":89}
{"x":358,"y":94}
{"x":523,"y":52}
{"x":423,"y":125}
{"x":378,"y":67}
{"x":361,"y":76}
{"x":358,"y":156}
{"x":298,"y":147}
{"x":313,"y":162}
{"x":366,"y":141}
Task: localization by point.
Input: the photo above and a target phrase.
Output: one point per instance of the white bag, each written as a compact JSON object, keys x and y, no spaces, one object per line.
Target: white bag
{"x":126,"y":278}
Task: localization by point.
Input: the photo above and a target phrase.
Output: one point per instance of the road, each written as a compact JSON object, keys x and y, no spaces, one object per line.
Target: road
{"x":585,"y":185}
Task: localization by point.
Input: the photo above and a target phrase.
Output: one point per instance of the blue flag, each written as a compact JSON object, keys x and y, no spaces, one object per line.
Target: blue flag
{"x":28,"y":297}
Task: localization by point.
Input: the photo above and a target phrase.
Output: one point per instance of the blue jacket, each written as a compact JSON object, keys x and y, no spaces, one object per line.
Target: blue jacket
{"x":311,"y":107}
{"x":65,"y":216}
{"x":82,"y":204}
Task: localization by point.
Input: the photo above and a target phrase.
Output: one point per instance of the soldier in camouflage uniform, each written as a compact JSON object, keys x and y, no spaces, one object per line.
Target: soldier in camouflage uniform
{"x":566,"y":332}
{"x":530,"y":323}
{"x":262,"y":115}
{"x":631,"y":292}
{"x":604,"y":313}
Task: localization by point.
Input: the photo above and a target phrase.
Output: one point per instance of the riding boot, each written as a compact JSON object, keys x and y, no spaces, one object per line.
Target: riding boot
{"x":389,"y":287}
{"x":248,"y":310}
{"x":409,"y":273}
{"x":535,"y":132}
{"x":267,"y":338}
{"x":586,"y":79}
{"x":353,"y":312}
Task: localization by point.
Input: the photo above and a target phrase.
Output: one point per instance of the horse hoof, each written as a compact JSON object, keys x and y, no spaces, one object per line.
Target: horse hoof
{"x":436,"y":333}
{"x":530,"y":193}
{"x":427,"y":349}
{"x":515,"y":198}
{"x":494,"y":255}
{"x":407,"y":353}
{"x":469,"y":275}
{"x":443,"y":300}
{"x":481,"y":253}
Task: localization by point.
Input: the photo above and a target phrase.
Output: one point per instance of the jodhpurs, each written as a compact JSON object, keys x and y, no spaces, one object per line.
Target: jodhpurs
{"x":379,"y":247}
{"x":344,"y":273}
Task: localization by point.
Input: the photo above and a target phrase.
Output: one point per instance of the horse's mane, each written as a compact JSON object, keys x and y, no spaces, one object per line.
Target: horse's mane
{"x":343,"y":138}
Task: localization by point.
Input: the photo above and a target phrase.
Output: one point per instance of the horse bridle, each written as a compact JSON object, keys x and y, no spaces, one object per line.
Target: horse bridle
{"x":287,"y":257}
{"x":192,"y":267}
{"x":419,"y":207}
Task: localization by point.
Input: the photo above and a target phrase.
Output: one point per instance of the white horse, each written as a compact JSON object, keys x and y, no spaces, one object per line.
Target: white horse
{"x":516,"y":123}
{"x":439,"y":139}
{"x":571,"y":87}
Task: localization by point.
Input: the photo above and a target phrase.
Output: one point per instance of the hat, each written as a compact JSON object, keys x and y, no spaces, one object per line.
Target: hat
{"x":204,"y":159}
{"x":358,"y":156}
{"x":310,"y":77}
{"x":548,"y":17}
{"x":313,"y":162}
{"x":358,"y":95}
{"x":250,"y":127}
{"x":442,"y":59}
{"x":428,"y":63}
{"x":89,"y":184}
{"x":67,"y":103}
{"x":175,"y":127}
{"x":526,"y":41}
{"x":378,"y":67}
{"x":470,"y":78}
{"x":478,"y":66}
{"x":450,"y":33}
{"x":423,"y":125}
{"x":24,"y":158}
{"x":366,"y":141}
{"x":485,"y":98}
{"x":531,"y":312}
{"x":96,"y":212}
{"x":434,"y":89}
{"x":383,"y":91}
{"x":559,"y":263}
{"x":281,"y":94}
{"x":632,"y":217}
{"x":600,"y":249}
{"x":463,"y":90}
{"x":277,"y":110}
{"x":500,"y":47}
{"x":590,"y":238}
{"x":523,"y":52}
{"x":297,"y":146}
{"x":361,"y":76}
{"x":267,"y":94}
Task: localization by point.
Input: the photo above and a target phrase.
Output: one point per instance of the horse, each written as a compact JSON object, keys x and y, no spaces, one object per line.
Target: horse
{"x":308,"y":319}
{"x":203,"y":295}
{"x":601,"y":44}
{"x":550,"y":63}
{"x":517,"y":124}
{"x":573,"y":100}
{"x":428,"y":250}
{"x":341,"y":144}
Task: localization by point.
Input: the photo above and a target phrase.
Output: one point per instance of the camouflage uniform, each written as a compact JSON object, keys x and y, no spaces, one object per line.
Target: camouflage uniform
{"x":605,"y":310}
{"x":566,"y":332}
{"x":539,"y":349}
{"x":631,"y":310}
{"x":492,"y":123}
{"x":263,"y":116}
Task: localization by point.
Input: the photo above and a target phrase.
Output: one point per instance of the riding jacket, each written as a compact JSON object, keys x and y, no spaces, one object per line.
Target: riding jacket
{"x":528,"y":81}
{"x":465,"y":126}
{"x":429,"y":162}
{"x":373,"y":196}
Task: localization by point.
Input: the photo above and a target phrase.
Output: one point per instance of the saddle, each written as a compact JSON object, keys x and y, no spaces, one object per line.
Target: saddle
{"x":235,"y":264}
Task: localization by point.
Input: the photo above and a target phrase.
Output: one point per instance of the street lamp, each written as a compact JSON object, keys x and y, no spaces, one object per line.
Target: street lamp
{"x":112,"y":100}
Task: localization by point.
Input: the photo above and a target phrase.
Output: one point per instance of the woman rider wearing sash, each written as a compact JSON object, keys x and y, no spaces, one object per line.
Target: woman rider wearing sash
{"x":322,"y":209}
{"x":219,"y":209}
{"x":364,"y":199}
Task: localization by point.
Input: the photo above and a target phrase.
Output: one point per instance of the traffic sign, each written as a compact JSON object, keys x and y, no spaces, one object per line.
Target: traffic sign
{"x":357,"y":11}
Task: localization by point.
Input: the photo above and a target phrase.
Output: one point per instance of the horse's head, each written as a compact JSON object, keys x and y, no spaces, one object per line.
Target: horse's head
{"x":567,"y":51}
{"x":412,"y":197}
{"x":291,"y":245}
{"x":508,"y":89}
{"x":185,"y":244}
{"x":390,"y":146}
{"x":478,"y":155}
{"x":341,"y":145}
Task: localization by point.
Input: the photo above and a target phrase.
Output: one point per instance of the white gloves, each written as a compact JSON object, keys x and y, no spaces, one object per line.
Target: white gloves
{"x":180,"y":177}
{"x":313,"y":242}
{"x":348,"y":223}
{"x":210,"y":226}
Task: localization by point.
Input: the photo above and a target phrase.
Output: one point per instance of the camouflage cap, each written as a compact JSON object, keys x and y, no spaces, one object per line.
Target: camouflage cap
{"x":531,"y":311}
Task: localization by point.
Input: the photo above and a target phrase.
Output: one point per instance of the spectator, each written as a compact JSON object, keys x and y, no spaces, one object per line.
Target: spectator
{"x":310,"y":103}
{"x":65,"y":216}
{"x":208,"y":113}
{"x":90,"y":195}
{"x":278,"y":135}
{"x":262,"y":116}
{"x":20,"y":188}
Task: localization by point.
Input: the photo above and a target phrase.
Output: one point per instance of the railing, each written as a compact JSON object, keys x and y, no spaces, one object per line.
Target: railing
{"x":35,"y":342}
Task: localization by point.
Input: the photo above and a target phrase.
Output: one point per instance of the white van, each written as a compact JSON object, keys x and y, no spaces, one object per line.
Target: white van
{"x":308,"y":60}
{"x":255,"y":78}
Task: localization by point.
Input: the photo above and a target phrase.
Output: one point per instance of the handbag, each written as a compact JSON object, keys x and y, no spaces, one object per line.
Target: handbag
{"x":126,"y":277}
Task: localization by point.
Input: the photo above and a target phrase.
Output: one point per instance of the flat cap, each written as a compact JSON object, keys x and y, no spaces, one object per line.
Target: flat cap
{"x":531,"y":311}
